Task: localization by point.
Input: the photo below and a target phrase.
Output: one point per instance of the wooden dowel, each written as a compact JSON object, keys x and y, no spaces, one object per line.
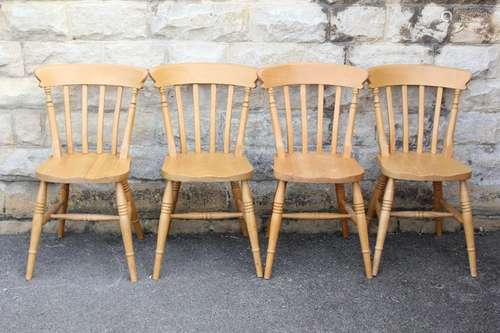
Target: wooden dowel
{"x":303,"y":117}
{"x":240,"y":140}
{"x":351,"y":213}
{"x":382,"y":140}
{"x":180,"y":117}
{"x":289,"y":119}
{"x":116,"y":120}
{"x":280,"y":150}
{"x":207,"y":215}
{"x":421,"y":115}
{"x":100,"y":120}
{"x":450,"y":133}
{"x":406,"y":135}
{"x":54,"y":132}
{"x":419,"y":214}
{"x":85,"y":120}
{"x":51,"y":210}
{"x":67,"y":118}
{"x":315,"y":216}
{"x":350,"y":125}
{"x":319,"y":127}
{"x":130,"y":124}
{"x":197,"y":122}
{"x":390,"y":119}
{"x":229,"y":118}
{"x":213,"y":117}
{"x":336,"y":118}
{"x":435,"y":123}
{"x":85,"y":217}
{"x":167,"y":123}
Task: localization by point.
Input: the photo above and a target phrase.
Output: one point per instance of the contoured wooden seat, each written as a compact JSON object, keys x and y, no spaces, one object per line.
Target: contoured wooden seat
{"x":207,"y":167}
{"x":218,"y":163}
{"x":87,"y":166}
{"x":423,"y":167}
{"x":427,"y":162}
{"x":323,"y":164}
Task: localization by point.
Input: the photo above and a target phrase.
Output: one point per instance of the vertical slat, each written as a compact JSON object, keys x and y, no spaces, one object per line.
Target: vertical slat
{"x":197,"y":126}
{"x":213,"y":115}
{"x":54,"y":133}
{"x":85,"y":120}
{"x":130,"y":124}
{"x":435,"y":123}
{"x":303,"y":117}
{"x":240,"y":141}
{"x":350,"y":124}
{"x":406,"y":135}
{"x":67,"y":120}
{"x":116,"y":120}
{"x":289,"y":119}
{"x":180,"y":117}
{"x":229,"y":117}
{"x":450,"y":133}
{"x":382,"y":140}
{"x":336,"y":118}
{"x":421,"y":114}
{"x":100,"y":120}
{"x":390,"y":116}
{"x":167,"y":123}
{"x":319,"y":129}
{"x":280,"y":150}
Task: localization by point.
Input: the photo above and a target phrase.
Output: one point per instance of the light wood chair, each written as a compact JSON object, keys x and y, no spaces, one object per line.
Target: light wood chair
{"x":99,"y":166}
{"x":229,"y":165}
{"x":318,"y":166}
{"x":435,"y":165}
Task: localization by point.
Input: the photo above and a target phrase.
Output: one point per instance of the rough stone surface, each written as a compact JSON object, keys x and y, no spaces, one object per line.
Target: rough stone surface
{"x":257,"y":33}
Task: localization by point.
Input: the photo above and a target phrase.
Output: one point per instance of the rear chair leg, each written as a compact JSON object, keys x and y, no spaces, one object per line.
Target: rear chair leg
{"x":163,"y":228}
{"x":126,"y":230}
{"x":238,"y":201}
{"x":249,"y":214}
{"x":377,"y":193}
{"x":63,"y":196}
{"x":340,"y":194}
{"x":36,"y":229}
{"x":383,"y":224}
{"x":274,"y":227}
{"x":133,"y":210}
{"x":436,"y":205}
{"x":359,"y":210}
{"x":468,"y":227}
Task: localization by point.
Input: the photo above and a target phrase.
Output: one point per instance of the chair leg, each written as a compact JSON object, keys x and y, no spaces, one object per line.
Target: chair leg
{"x":126,"y":230}
{"x":36,"y":229}
{"x":383,"y":225}
{"x":340,"y":194}
{"x":163,"y":228}
{"x":436,"y":205}
{"x":468,"y":227}
{"x":133,"y":210}
{"x":176,"y":187}
{"x":249,"y":214}
{"x":63,"y":196}
{"x":274,"y":227}
{"x":238,"y":201}
{"x":359,"y":210}
{"x":377,"y":192}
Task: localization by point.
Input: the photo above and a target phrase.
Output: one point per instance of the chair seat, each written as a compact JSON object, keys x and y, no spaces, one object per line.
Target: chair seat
{"x":84,"y":168}
{"x":317,"y":168}
{"x":423,"y":166}
{"x":206,"y":167}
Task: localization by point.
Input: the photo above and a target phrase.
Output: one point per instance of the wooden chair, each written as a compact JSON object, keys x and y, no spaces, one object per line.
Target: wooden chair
{"x":435,"y":165}
{"x":228,"y":165}
{"x":72,"y":167}
{"x":319,"y":166}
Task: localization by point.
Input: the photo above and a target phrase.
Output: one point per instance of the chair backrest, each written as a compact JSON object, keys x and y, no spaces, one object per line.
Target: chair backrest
{"x":405,"y":78}
{"x":84,"y":77}
{"x":337,"y":78}
{"x":195,"y":77}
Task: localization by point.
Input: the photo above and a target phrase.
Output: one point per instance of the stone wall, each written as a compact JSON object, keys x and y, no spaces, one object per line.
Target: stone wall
{"x":146,"y":33}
